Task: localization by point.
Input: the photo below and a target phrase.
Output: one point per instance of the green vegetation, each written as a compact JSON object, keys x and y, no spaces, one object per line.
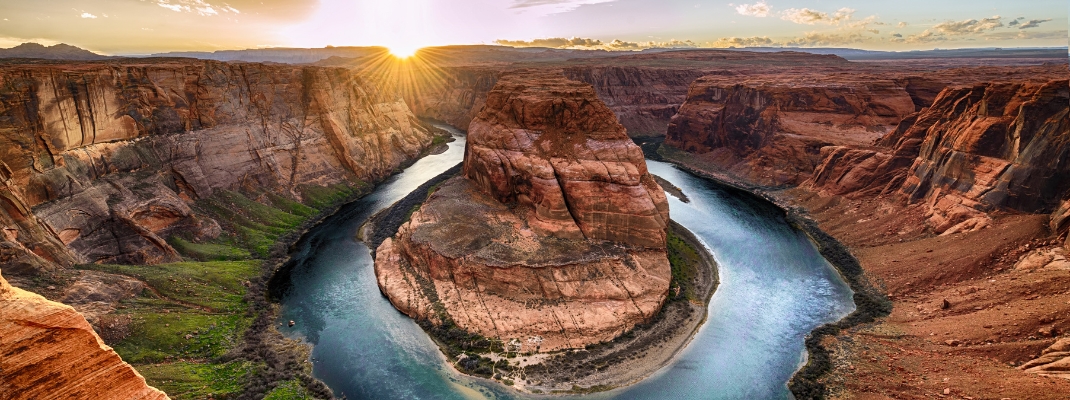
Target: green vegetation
{"x":208,"y":251}
{"x":215,"y":286}
{"x":182,"y":334}
{"x":322,"y":198}
{"x":187,"y":380}
{"x":182,"y":328}
{"x":683,"y":260}
{"x":438,"y":140}
{"x":289,"y":390}
{"x":187,"y":333}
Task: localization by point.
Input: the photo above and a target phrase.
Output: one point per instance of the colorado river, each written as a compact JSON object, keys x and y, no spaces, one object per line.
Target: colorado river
{"x":774,"y":289}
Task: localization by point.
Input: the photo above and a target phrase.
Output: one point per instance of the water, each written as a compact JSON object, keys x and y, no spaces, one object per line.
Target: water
{"x":775,"y":288}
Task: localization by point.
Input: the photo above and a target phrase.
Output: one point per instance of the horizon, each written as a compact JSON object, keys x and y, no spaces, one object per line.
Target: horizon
{"x":385,"y":48}
{"x":120,"y":27}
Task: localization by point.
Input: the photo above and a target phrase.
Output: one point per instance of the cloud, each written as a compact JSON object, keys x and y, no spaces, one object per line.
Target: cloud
{"x":618,"y":44}
{"x":926,"y":36}
{"x":1025,"y":35}
{"x":969,"y":26}
{"x":754,"y":41}
{"x":88,"y":15}
{"x":897,"y":35}
{"x":1013,"y":22}
{"x":1033,"y":23}
{"x":558,"y":43}
{"x":812,"y":39}
{"x":200,"y":7}
{"x":901,"y":24}
{"x":591,"y":44}
{"x":554,"y":6}
{"x":759,"y":9}
{"x":671,"y":44}
{"x":811,"y":17}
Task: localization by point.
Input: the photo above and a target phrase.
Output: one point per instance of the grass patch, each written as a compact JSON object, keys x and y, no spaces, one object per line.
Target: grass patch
{"x":216,"y":285}
{"x":683,"y":261}
{"x":186,"y":380}
{"x":289,"y":390}
{"x":208,"y":251}
{"x":161,"y":332}
{"x":321,"y":198}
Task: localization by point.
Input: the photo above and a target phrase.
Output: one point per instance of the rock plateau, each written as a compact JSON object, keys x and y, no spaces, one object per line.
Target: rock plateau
{"x":569,"y":249}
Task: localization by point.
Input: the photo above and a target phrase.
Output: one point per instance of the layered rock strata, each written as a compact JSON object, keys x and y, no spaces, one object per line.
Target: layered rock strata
{"x":49,"y":351}
{"x":771,"y":131}
{"x":568,"y":248}
{"x":643,"y":90}
{"x":102,"y":162}
{"x":975,"y":150}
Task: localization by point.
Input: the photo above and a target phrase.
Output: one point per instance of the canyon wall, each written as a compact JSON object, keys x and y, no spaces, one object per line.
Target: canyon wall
{"x":453,"y":95}
{"x":48,"y":350}
{"x":770,"y":129}
{"x":102,"y":162}
{"x":644,"y":99}
{"x":975,"y":150}
{"x":570,"y":246}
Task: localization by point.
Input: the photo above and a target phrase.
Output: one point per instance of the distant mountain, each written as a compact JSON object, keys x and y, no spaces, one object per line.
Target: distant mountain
{"x":279,"y":55}
{"x":57,"y":52}
{"x":468,"y":54}
{"x":858,"y":54}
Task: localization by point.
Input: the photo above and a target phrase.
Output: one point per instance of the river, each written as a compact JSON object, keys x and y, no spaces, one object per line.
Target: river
{"x":774,"y":289}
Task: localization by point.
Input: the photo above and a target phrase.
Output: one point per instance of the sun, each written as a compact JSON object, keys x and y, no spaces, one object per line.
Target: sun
{"x":403,"y":50}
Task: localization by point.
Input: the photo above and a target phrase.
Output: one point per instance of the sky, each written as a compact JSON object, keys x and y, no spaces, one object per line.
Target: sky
{"x":125,"y":27}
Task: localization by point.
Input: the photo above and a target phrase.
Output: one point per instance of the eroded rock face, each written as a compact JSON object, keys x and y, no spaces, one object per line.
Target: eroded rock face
{"x":569,"y":245}
{"x":1060,"y":221}
{"x":644,"y":99}
{"x":48,"y":350}
{"x":770,"y":129}
{"x":976,"y":149}
{"x":101,"y":162}
{"x":1054,"y":361}
{"x":549,"y":143}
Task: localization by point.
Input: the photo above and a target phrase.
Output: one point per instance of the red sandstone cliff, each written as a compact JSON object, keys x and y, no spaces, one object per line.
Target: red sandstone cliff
{"x":554,"y":148}
{"x":569,"y":248}
{"x":770,"y":129}
{"x":101,"y":162}
{"x":975,"y":150}
{"x":49,"y":351}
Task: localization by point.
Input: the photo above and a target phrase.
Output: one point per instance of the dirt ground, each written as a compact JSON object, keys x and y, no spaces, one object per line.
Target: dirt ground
{"x":963,"y":316}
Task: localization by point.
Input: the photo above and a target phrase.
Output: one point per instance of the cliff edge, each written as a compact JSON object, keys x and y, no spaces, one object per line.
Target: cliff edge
{"x":48,"y":350}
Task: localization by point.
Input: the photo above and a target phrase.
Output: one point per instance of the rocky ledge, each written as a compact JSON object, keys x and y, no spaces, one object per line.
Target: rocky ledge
{"x":50,"y":351}
{"x":569,"y":245}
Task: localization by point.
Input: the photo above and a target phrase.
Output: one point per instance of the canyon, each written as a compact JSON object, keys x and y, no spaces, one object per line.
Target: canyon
{"x":570,"y":247}
{"x":166,"y":162}
{"x":102,"y":163}
{"x":955,"y":209}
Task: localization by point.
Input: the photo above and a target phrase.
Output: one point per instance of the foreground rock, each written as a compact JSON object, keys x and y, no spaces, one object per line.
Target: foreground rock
{"x":48,"y":350}
{"x":568,"y":248}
